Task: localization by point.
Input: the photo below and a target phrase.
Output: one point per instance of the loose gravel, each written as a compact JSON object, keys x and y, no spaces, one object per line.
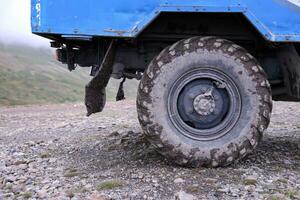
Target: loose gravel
{"x":55,"y":152}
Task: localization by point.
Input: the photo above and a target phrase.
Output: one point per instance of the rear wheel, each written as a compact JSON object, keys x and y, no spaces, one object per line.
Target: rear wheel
{"x":204,"y":102}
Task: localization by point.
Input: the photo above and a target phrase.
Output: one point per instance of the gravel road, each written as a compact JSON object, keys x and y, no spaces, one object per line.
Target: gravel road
{"x":55,"y":152}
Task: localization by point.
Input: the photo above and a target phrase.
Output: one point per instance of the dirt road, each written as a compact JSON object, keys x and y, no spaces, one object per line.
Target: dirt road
{"x":55,"y":152}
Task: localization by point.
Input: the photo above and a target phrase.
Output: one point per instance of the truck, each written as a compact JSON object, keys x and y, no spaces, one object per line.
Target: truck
{"x":209,"y":70}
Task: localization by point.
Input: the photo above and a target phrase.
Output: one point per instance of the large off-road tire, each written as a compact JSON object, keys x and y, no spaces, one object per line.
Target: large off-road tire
{"x":204,"y":102}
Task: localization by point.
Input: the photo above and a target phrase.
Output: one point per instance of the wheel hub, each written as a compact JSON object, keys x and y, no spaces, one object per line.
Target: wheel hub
{"x":204,"y":104}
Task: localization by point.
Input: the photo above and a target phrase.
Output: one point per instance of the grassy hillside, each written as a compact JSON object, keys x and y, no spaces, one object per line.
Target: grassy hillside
{"x":32,"y":76}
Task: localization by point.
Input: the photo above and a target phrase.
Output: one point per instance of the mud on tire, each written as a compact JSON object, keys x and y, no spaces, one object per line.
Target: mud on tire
{"x":180,"y":136}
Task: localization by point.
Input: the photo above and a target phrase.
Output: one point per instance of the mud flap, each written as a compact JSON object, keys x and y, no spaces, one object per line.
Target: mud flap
{"x":95,"y":94}
{"x":121,"y":93}
{"x":290,"y":63}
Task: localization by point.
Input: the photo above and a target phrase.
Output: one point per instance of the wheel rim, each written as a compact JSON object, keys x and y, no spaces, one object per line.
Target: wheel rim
{"x":204,"y":104}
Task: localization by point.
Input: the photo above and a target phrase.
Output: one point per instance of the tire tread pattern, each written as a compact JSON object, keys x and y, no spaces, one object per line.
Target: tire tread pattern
{"x":237,"y":151}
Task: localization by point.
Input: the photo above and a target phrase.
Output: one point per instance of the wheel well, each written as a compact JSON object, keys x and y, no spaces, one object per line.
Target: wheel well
{"x":179,"y":25}
{"x":169,"y":27}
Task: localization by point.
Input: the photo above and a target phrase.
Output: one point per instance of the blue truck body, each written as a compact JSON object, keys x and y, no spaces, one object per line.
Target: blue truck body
{"x":276,"y":20}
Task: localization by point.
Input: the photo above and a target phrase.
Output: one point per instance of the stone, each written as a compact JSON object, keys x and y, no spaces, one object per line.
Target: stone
{"x":179,"y":180}
{"x":52,"y":160}
{"x":250,"y":180}
{"x":211,"y":180}
{"x":141,"y":175}
{"x":115,"y":134}
{"x":23,"y":166}
{"x":42,"y":194}
{"x":11,"y":178}
{"x":182,"y":195}
{"x":223,"y":190}
{"x":96,"y":196}
{"x":18,"y":188}
{"x":19,"y":162}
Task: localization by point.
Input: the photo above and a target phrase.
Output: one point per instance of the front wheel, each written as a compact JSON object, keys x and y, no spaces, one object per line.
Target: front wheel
{"x":204,"y":102}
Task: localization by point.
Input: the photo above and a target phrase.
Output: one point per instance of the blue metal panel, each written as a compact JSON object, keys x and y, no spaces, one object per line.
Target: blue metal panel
{"x":276,"y":20}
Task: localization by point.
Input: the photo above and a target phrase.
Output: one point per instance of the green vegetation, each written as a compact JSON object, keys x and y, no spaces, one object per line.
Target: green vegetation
{"x":109,"y":185}
{"x":32,"y":76}
{"x":250,"y":181}
{"x":27,"y":195}
{"x":193,"y":189}
{"x":70,"y":194}
{"x":45,"y":155}
{"x":292,"y":193}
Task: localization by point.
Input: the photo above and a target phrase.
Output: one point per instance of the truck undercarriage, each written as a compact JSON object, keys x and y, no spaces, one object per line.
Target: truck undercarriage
{"x":132,"y":56}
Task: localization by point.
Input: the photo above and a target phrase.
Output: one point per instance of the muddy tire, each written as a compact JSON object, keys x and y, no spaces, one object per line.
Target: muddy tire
{"x":204,"y":102}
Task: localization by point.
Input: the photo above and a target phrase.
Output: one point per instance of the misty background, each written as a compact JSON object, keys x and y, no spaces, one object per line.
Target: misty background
{"x":15,"y":24}
{"x":29,"y":73}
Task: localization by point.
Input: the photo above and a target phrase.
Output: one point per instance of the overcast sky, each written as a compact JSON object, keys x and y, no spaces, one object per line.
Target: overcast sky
{"x":15,"y":23}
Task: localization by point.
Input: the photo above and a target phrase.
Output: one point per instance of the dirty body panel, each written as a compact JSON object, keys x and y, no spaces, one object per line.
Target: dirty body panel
{"x":122,"y":18}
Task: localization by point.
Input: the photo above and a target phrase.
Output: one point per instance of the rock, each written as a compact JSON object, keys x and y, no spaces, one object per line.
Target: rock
{"x":119,"y":142}
{"x":156,"y":185}
{"x":184,"y":196}
{"x":98,"y":143}
{"x":141,"y":175}
{"x":88,"y":186}
{"x":17,"y":188}
{"x":134,"y":176}
{"x":23,"y":166}
{"x":133,"y":195}
{"x":11,"y":178}
{"x":52,"y":160}
{"x":31,"y":143}
{"x":287,"y":162}
{"x":33,"y":170}
{"x":19,"y":162}
{"x":250,"y":188}
{"x":114,"y":134}
{"x":179,"y":180}
{"x":101,"y":127}
{"x":22,"y":179}
{"x":250,"y":180}
{"x":211,"y":180}
{"x":223,"y":190}
{"x":96,"y":197}
{"x":42,"y":194}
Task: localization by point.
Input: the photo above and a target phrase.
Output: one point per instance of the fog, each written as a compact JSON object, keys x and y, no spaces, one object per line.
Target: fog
{"x":15,"y":24}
